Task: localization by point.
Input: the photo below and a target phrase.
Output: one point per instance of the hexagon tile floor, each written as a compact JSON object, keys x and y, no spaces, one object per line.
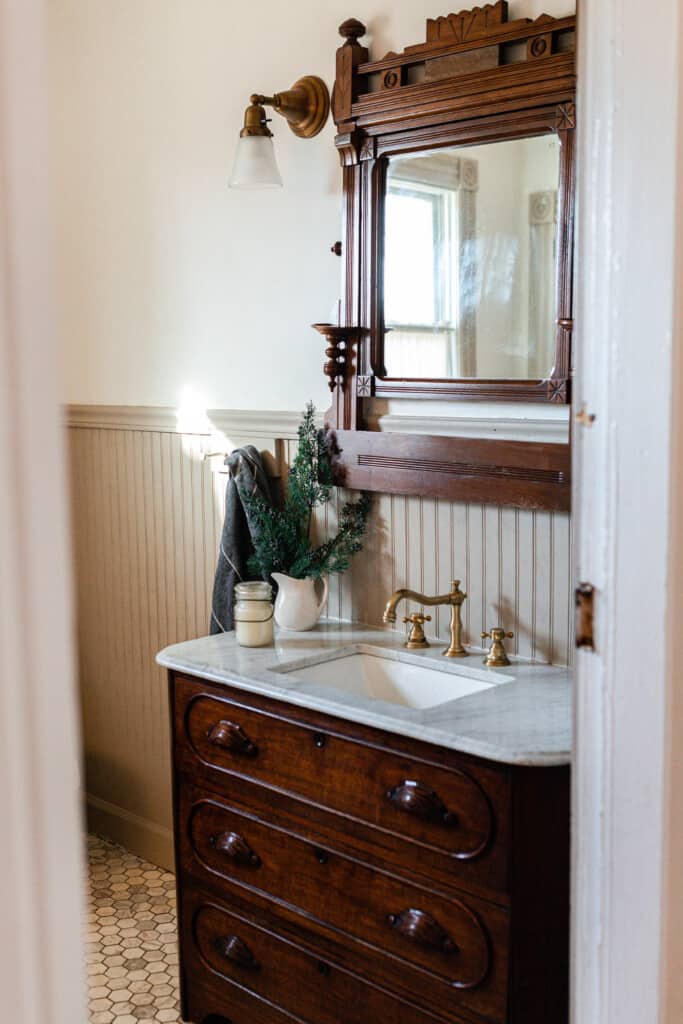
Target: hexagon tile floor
{"x":131,"y":947}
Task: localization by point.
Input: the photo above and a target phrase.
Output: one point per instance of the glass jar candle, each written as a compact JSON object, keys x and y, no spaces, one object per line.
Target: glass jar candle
{"x":253,"y":614}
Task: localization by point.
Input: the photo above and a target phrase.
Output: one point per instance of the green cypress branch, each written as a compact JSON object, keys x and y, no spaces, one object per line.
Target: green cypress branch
{"x":282,"y":537}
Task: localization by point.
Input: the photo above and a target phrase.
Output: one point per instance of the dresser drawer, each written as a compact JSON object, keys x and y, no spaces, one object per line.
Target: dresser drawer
{"x":229,"y":954}
{"x":455,"y":808}
{"x":229,"y":1004}
{"x":455,"y":945}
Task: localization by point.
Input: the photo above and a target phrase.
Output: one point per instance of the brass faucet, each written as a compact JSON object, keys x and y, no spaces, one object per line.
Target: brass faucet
{"x":455,"y":599}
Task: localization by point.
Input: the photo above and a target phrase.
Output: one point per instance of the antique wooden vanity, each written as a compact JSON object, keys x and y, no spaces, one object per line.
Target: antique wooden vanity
{"x":340,"y":859}
{"x":340,"y":870}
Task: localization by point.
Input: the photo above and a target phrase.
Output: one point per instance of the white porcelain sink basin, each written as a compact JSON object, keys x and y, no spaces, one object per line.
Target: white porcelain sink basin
{"x":381,"y":678}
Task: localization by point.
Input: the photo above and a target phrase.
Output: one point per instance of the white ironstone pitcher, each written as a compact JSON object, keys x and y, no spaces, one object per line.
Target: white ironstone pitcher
{"x":297,"y":606}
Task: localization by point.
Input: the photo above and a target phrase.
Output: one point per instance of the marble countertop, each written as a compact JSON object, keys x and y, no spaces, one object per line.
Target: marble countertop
{"x":526,"y":720}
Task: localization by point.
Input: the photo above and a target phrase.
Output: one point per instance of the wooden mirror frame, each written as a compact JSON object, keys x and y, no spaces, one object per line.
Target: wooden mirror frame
{"x":468,"y":96}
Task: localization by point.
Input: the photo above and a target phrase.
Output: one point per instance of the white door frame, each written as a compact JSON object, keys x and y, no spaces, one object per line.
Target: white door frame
{"x":630,"y":58}
{"x":41,"y":880}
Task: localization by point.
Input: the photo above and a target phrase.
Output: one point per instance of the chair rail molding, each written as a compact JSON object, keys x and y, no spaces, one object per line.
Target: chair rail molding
{"x":258,"y":423}
{"x":166,"y":419}
{"x":283,"y":424}
{"x":161,"y":419}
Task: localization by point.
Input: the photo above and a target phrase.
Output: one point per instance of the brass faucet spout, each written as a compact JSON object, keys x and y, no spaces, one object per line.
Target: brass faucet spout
{"x":396,"y":597}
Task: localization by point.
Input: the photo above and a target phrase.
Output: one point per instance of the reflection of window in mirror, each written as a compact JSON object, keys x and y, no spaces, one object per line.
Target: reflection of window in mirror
{"x":428,"y":282}
{"x":469,"y":261}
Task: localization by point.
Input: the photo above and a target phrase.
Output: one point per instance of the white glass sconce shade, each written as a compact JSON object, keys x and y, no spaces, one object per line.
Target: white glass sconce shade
{"x":255,"y":164}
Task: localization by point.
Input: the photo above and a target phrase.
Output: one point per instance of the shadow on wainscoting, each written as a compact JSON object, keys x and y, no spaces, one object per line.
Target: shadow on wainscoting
{"x":368,"y":585}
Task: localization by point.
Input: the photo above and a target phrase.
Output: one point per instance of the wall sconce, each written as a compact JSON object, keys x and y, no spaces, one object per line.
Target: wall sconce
{"x":306,"y":107}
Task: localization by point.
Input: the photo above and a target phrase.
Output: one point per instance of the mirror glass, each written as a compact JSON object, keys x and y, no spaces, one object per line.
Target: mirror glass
{"x":469,"y":261}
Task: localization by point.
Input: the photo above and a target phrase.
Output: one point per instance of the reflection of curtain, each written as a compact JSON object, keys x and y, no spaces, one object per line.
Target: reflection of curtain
{"x":447,"y":349}
{"x":466,"y":365}
{"x":542,"y":233}
{"x":420,"y":352}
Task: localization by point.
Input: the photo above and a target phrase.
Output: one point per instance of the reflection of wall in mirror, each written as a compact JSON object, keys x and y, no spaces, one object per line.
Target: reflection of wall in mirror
{"x":538,"y":230}
{"x":512,"y":340}
{"x":541,"y":264}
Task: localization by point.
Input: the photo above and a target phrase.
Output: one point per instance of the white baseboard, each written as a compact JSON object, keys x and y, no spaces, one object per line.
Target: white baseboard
{"x":140,"y":836}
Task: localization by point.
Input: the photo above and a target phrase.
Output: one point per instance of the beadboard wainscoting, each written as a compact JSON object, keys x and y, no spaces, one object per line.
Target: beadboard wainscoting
{"x":147,"y":512}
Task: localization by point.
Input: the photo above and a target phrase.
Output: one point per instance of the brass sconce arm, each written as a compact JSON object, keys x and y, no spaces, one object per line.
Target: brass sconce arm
{"x":306,"y":107}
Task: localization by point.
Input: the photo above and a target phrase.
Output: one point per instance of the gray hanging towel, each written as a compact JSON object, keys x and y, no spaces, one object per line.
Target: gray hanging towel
{"x":247,"y":476}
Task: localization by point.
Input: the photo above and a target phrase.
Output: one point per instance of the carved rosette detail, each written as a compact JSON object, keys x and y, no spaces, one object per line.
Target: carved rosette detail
{"x":391,"y":79}
{"x":368,"y":149}
{"x":565,"y":116}
{"x":538,"y":46}
{"x":364,"y":386}
{"x":557,"y":391}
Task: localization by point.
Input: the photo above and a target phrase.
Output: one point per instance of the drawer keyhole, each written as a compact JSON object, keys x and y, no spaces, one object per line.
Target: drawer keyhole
{"x":321,"y":856}
{"x":319,"y":739}
{"x":324,"y":969}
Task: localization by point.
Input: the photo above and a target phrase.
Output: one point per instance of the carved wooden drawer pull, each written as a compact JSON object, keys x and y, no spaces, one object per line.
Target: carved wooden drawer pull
{"x":234,"y":845}
{"x":421,"y":928}
{"x":230,"y":736}
{"x":422,"y":802}
{"x":232,"y":948}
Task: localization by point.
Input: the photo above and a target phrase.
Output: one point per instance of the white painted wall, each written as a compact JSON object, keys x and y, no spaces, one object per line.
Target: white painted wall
{"x":169,"y":281}
{"x":508,"y":175}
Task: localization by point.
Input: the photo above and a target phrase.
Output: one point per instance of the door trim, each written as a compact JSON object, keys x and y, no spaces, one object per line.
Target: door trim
{"x":629,"y":123}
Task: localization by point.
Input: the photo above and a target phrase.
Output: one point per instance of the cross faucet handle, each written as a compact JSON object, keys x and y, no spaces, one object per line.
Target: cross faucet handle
{"x":416,"y":638}
{"x":497,"y":656}
{"x":497,"y":633}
